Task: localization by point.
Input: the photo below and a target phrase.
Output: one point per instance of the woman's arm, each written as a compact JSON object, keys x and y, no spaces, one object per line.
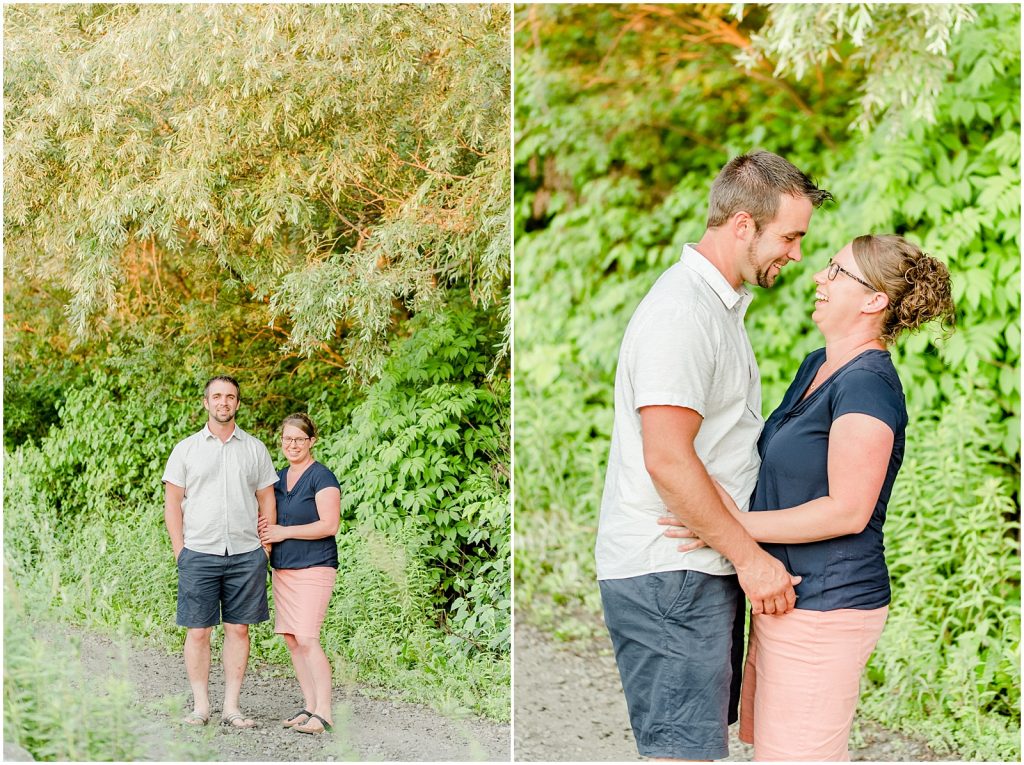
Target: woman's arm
{"x":328,"y":507}
{"x":859,"y":447}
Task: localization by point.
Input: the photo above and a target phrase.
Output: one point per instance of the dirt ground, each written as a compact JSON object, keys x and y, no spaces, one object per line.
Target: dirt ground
{"x":569,"y":707}
{"x":365,"y":728}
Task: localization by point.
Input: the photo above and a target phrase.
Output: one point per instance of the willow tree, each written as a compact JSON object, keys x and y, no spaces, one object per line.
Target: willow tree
{"x":347,"y":165}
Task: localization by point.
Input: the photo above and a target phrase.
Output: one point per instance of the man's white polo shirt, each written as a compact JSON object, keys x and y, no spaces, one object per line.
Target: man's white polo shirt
{"x":685,"y":346}
{"x":220,"y":481}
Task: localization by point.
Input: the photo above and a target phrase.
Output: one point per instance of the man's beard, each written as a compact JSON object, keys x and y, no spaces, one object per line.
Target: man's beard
{"x":223,"y":418}
{"x":762,"y":276}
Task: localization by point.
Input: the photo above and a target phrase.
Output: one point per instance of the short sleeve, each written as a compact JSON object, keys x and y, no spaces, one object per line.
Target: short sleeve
{"x":324,"y":479}
{"x":174,"y":472}
{"x":672,"y":360}
{"x":861,"y":391}
{"x":267,"y":473}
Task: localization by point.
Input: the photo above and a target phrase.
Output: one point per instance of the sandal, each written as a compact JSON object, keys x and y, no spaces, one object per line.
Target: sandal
{"x":291,"y":722}
{"x":237,"y":720}
{"x":194,"y":718}
{"x":326,"y":726}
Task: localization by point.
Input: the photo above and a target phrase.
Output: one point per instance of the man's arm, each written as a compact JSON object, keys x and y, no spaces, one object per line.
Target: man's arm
{"x":268,"y":511}
{"x":174,"y":518}
{"x":685,"y":487}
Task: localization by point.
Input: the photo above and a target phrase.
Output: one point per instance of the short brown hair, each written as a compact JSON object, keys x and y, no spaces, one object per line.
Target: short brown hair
{"x":301,"y":421}
{"x":753,"y":183}
{"x":917,"y":285}
{"x":222,"y":378}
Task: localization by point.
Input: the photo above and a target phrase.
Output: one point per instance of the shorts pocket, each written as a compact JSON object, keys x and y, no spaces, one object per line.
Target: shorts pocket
{"x":670,"y":590}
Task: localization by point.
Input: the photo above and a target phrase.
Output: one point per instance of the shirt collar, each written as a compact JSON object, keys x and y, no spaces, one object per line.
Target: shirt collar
{"x":207,"y":433}
{"x":713,"y":278}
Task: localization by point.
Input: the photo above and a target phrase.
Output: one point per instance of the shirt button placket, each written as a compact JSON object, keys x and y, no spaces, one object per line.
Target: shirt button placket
{"x":224,"y":494}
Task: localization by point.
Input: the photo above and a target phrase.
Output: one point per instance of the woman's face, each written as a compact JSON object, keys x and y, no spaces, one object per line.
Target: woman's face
{"x":295,"y":444}
{"x":840,"y":301}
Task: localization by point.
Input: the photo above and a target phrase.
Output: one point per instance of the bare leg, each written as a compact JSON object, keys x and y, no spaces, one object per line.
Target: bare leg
{"x":197,"y":666}
{"x":320,"y":671}
{"x":236,"y":657}
{"x":302,"y":673}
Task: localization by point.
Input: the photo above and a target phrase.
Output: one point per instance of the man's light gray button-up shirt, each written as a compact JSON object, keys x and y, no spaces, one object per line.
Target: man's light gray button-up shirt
{"x":220,"y":481}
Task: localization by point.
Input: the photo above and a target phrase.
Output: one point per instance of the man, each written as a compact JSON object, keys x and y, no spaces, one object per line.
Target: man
{"x":688,"y":410}
{"x":214,"y":483}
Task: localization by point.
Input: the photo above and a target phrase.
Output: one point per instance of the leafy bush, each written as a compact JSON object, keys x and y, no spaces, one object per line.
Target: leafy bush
{"x":623,"y":116}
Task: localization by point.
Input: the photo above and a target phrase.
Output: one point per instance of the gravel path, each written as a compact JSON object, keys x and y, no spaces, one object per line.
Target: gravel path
{"x":569,"y":707}
{"x":365,"y":728}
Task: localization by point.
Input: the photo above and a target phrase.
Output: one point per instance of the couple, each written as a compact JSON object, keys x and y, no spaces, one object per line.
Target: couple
{"x":227,"y":509}
{"x":690,"y":451}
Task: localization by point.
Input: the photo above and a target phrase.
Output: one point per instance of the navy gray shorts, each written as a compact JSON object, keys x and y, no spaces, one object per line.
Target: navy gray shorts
{"x":678,"y":640}
{"x":212,"y":586}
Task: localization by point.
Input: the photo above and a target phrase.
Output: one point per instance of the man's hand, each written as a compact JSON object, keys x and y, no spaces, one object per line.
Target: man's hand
{"x":177,"y":550}
{"x":767,"y":585}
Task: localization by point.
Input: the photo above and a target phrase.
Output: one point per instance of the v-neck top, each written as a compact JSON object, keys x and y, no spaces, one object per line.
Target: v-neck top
{"x":848,"y":571}
{"x":297,"y":507}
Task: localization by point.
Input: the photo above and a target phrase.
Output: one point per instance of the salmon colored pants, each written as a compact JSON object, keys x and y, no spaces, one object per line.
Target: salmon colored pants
{"x":802,"y":681}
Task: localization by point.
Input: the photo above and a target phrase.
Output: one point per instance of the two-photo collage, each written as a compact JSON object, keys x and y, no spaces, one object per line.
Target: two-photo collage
{"x":551,"y":382}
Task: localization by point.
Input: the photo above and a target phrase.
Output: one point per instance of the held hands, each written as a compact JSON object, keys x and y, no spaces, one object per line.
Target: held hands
{"x":767,"y":585}
{"x":261,"y":528}
{"x":271,"y":533}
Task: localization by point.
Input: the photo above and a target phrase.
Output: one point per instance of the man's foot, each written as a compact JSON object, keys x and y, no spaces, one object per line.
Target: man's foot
{"x":195,"y":718}
{"x":299,"y":718}
{"x":315,"y":725}
{"x":237,"y":720}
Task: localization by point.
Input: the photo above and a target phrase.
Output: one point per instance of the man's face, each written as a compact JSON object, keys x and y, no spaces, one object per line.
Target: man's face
{"x":778,"y":241}
{"x":221,"y":401}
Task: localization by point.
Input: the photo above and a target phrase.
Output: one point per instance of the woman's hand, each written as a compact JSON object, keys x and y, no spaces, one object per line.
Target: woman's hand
{"x":272,"y":534}
{"x":676,"y":529}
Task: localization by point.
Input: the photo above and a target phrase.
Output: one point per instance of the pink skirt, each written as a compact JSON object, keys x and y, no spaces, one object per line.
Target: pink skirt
{"x":801,"y":682}
{"x":301,"y":596}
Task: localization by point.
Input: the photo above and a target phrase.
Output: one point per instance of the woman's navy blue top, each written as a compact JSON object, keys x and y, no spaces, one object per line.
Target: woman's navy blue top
{"x":848,"y":571}
{"x":297,"y":508}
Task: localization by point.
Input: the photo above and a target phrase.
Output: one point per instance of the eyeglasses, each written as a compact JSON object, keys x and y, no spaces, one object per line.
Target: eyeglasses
{"x":834,"y":269}
{"x":293,"y":441}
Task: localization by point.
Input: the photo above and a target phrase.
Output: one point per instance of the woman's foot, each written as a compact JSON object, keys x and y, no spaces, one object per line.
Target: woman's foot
{"x":315,"y":725}
{"x":299,"y":718}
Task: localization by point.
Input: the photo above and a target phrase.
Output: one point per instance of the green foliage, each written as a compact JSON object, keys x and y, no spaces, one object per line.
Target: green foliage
{"x":952,"y":643}
{"x":340,"y":160}
{"x":624,"y":114}
{"x":422,"y":456}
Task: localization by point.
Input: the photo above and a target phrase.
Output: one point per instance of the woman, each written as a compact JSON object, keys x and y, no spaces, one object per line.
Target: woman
{"x":830,"y":454}
{"x":305,"y":562}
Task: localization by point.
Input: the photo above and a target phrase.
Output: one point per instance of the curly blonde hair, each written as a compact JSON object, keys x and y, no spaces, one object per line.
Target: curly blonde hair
{"x":917,"y":285}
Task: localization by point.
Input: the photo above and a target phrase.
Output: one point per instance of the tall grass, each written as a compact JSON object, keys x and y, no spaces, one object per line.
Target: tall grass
{"x":56,"y":709}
